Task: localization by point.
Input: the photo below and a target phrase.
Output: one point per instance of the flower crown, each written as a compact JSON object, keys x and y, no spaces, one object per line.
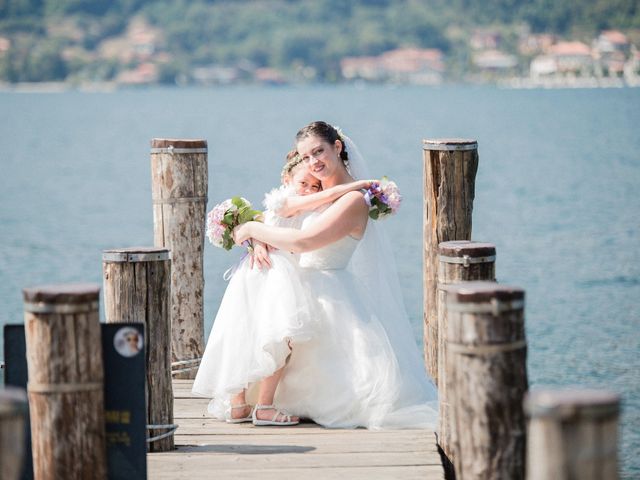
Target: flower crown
{"x":290,"y":165}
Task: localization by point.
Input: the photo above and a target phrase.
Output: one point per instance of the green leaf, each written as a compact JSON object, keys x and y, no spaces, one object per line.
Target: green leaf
{"x":238,"y":202}
{"x":227,"y":240}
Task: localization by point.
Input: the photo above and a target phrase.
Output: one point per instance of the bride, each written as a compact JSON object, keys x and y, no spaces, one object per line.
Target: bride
{"x":362,"y":366}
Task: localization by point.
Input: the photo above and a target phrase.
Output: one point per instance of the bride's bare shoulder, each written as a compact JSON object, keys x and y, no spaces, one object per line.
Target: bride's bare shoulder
{"x":352,"y":200}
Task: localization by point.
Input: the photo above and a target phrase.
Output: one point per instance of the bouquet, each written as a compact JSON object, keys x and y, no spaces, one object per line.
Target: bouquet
{"x":383,"y":198}
{"x":226,"y":216}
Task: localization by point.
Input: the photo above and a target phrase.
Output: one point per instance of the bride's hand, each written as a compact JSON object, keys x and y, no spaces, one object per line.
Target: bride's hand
{"x":260,"y":255}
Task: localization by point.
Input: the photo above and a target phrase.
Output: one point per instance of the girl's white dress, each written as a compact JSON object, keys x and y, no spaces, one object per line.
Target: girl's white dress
{"x":261,"y":313}
{"x":350,"y":373}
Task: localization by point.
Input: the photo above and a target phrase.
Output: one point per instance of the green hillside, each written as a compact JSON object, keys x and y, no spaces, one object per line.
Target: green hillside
{"x":49,"y":40}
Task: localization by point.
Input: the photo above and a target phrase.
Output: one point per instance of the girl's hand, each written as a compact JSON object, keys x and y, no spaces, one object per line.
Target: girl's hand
{"x":260,"y":255}
{"x":365,"y":184}
{"x":241,"y":233}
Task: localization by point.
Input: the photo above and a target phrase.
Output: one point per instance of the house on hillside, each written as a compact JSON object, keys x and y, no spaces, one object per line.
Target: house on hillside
{"x":611,"y":51}
{"x":143,"y":74}
{"x":483,"y":39}
{"x":531,"y":44}
{"x":5,"y":45}
{"x":140,"y":43}
{"x":563,"y":59}
{"x":215,"y":75}
{"x":362,"y":68}
{"x":632,"y":68}
{"x":416,"y":66}
{"x":494,"y":61}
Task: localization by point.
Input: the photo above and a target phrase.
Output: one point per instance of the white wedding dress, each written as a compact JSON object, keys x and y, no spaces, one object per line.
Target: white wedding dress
{"x":351,"y":372}
{"x":354,"y":361}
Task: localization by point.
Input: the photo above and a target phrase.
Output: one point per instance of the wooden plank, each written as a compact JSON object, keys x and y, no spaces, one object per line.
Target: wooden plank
{"x":229,"y":444}
{"x":292,"y":456}
{"x":209,"y":447}
{"x":328,"y":473}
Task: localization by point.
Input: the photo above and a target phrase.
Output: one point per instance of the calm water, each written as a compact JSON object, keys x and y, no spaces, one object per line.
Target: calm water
{"x":557,"y":192}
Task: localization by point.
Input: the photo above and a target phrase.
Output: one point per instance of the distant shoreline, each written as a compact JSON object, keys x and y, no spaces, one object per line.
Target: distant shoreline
{"x":507,"y":83}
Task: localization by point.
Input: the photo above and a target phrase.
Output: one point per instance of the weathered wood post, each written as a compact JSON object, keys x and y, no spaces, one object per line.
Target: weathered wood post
{"x":65,"y":389}
{"x":13,"y":414}
{"x":572,"y":434}
{"x":137,"y":287}
{"x":449,"y":172}
{"x":458,"y":261}
{"x":179,"y":185}
{"x":486,"y":379}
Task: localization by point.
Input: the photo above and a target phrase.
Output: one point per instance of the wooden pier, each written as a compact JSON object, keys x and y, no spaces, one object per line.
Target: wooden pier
{"x":208,"y":448}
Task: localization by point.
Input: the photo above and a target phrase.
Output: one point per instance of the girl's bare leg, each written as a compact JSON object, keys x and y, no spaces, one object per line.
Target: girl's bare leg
{"x":267,"y":391}
{"x":239,"y":399}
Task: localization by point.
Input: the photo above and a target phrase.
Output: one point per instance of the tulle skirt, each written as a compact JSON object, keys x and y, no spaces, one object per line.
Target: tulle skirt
{"x":262,"y":314}
{"x":345,"y":368}
{"x":352,"y":372}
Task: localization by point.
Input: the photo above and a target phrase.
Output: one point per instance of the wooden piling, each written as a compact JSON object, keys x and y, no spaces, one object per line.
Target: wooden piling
{"x":572,"y":434}
{"x":137,"y":289}
{"x":458,"y":261}
{"x":486,"y":379}
{"x":13,"y":413}
{"x":179,"y":185}
{"x":449,"y":172}
{"x":65,"y":389}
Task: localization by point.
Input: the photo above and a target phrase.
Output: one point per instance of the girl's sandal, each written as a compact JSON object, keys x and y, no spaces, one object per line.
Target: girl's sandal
{"x":230,"y":419}
{"x":286,"y":422}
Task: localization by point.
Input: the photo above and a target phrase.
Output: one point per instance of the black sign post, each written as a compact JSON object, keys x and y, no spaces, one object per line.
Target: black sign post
{"x":124,"y":395}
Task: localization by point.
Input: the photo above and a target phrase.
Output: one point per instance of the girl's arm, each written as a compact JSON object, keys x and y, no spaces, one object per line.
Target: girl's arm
{"x":301,"y":203}
{"x":347,"y":216}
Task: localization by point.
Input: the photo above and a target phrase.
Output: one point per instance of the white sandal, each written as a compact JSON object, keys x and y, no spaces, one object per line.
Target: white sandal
{"x":258,"y":422}
{"x":229,"y":419}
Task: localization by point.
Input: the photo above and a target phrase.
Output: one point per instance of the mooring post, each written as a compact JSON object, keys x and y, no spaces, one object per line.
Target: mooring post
{"x":137,"y":287}
{"x":65,"y":389}
{"x":572,"y":434}
{"x":486,"y":379}
{"x":179,"y":185}
{"x":13,"y":418}
{"x":458,"y":261}
{"x":449,"y":173}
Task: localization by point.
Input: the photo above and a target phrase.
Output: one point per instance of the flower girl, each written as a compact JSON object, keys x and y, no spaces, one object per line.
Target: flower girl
{"x":264,"y":311}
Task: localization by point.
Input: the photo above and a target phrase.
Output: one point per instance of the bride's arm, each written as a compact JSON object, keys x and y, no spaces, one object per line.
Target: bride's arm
{"x":346,"y":216}
{"x":303,"y":203}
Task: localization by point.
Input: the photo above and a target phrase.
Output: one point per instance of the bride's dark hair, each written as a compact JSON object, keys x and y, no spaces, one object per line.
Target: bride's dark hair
{"x":326,"y":132}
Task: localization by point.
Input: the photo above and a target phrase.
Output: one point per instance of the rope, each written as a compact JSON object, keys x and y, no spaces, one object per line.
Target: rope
{"x":172,"y":426}
{"x":179,"y":363}
{"x":62,"y":387}
{"x":171,"y":201}
{"x":171,"y":150}
{"x":182,"y":370}
{"x":186,"y":362}
{"x":486,"y":349}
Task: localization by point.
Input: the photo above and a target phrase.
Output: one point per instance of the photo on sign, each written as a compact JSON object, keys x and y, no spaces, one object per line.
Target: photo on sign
{"x":128,"y":341}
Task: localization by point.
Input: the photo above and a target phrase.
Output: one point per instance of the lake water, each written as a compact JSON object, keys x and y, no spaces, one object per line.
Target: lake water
{"x":557,"y":191}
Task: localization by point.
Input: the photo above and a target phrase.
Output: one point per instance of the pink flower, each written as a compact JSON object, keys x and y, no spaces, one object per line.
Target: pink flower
{"x":224,"y":217}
